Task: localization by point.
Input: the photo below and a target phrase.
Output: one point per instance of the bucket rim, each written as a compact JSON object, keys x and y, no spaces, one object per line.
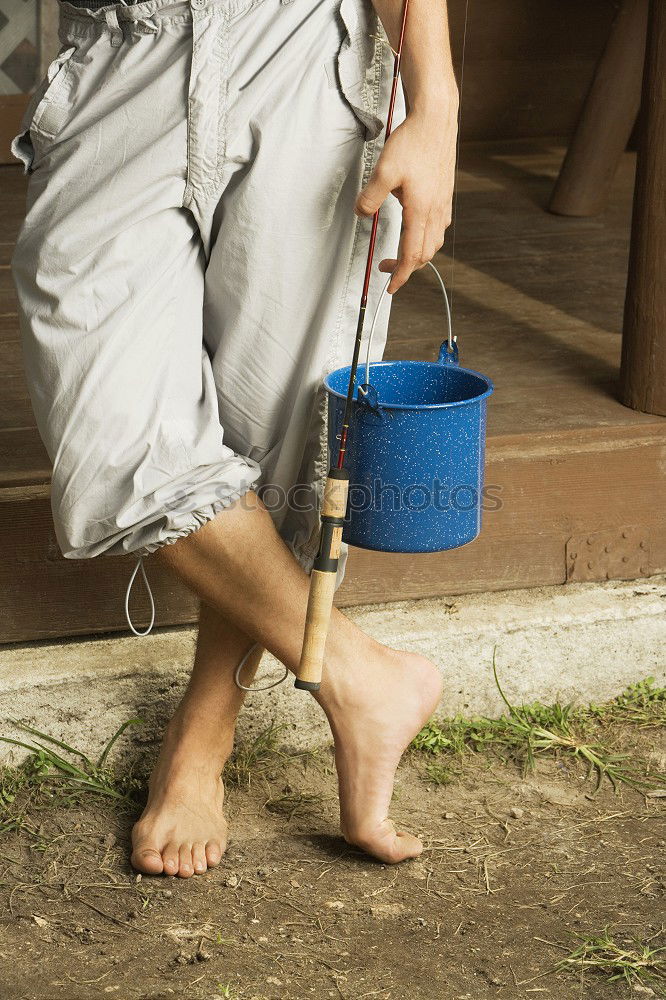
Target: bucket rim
{"x":490,"y":387}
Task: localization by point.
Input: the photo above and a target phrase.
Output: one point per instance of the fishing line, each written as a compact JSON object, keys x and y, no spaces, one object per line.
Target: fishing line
{"x":448,"y":297}
{"x":454,"y":226}
{"x":336,"y":490}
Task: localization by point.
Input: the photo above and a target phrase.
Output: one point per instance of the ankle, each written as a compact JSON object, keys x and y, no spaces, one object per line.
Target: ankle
{"x":347,"y":672}
{"x":199,"y":741}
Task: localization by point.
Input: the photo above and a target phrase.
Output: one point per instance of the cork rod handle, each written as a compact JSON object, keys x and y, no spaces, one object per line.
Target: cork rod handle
{"x":322,"y":581}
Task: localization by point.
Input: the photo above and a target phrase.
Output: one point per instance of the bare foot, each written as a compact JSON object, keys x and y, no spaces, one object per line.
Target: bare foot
{"x":182,"y":831}
{"x":374,"y":713}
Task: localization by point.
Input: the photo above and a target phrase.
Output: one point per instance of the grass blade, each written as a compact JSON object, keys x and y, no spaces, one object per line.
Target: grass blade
{"x":53,"y":740}
{"x":119,"y":732}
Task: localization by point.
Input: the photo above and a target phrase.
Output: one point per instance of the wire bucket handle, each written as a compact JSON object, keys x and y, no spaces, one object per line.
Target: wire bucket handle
{"x":448,"y":352}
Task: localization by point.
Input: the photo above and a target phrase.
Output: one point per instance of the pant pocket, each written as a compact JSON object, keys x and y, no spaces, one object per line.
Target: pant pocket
{"x":359,"y":67}
{"x":47,"y":109}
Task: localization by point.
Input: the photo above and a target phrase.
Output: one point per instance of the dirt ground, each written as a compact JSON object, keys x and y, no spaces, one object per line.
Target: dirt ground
{"x":515,"y":867}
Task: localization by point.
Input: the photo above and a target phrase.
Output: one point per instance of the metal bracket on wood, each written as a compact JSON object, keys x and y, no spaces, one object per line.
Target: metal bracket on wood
{"x":612,"y":554}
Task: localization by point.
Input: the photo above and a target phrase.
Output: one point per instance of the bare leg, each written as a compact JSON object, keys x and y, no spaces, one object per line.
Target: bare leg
{"x":376,"y":699}
{"x":182,"y":830}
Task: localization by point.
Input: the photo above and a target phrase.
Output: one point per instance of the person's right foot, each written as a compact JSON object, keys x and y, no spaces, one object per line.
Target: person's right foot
{"x":183,"y":831}
{"x":375,"y":712}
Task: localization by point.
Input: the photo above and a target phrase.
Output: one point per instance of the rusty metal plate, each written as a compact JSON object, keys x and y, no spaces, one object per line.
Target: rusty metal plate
{"x":611,"y":554}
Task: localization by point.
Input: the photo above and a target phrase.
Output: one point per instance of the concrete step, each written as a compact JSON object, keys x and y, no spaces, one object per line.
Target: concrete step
{"x":581,"y":642}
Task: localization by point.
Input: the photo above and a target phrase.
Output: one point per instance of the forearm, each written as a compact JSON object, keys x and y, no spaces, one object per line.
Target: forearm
{"x":426,"y":68}
{"x":417,"y":162}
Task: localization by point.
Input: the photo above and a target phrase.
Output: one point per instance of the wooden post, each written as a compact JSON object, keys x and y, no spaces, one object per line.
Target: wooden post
{"x":607,"y":118}
{"x":643,"y":372}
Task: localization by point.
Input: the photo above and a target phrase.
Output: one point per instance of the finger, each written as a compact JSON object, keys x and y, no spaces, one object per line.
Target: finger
{"x":376,"y":191}
{"x":433,"y":240}
{"x":411,"y":249}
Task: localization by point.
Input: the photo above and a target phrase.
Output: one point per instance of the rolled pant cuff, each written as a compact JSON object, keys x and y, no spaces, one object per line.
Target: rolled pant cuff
{"x":196,"y":521}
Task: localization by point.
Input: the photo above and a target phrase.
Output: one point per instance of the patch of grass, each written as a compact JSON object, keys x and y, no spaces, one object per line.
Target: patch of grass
{"x":16,"y":786}
{"x":251,"y":759}
{"x":642,"y":704}
{"x":56,"y":771}
{"x":526,"y":732}
{"x":293,"y":803}
{"x":448,"y":734}
{"x":47,"y":774}
{"x":441,"y":774}
{"x":630,"y":960}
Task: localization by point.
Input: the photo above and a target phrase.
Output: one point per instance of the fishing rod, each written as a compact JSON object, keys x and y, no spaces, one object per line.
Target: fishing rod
{"x":336,"y":491}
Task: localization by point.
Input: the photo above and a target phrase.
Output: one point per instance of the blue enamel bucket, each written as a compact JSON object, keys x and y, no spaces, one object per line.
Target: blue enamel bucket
{"x":416,"y":450}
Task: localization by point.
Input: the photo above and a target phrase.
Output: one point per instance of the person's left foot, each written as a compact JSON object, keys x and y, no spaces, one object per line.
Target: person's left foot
{"x":182,"y":831}
{"x":375,"y":712}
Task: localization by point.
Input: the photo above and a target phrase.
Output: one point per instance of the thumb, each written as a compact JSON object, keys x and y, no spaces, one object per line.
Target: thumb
{"x":375,"y":193}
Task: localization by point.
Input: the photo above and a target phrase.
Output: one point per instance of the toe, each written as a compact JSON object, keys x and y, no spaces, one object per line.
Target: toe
{"x":407,"y":846}
{"x":170,"y":859}
{"x":199,"y":858}
{"x":385,"y":844}
{"x":147,"y":860}
{"x":185,"y":866}
{"x":213,"y":853}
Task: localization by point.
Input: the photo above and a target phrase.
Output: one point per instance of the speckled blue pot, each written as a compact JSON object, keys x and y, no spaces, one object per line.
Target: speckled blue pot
{"x":416,"y":460}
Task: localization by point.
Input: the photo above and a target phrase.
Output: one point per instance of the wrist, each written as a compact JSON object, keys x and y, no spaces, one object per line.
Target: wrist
{"x":435,"y":103}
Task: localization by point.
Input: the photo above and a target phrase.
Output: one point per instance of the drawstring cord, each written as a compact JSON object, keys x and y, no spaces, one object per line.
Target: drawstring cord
{"x":148,"y":630}
{"x":264,"y":687}
{"x":142,"y":569}
{"x":117,"y":30}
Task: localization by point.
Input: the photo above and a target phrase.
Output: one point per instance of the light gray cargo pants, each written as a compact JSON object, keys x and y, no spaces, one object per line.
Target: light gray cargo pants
{"x":190,"y":264}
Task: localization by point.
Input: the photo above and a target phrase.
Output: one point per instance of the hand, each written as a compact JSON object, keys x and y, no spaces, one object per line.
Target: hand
{"x":417,"y":165}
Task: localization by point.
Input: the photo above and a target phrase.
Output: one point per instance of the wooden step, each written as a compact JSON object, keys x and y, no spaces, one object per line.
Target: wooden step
{"x":555,"y":491}
{"x":538,"y":306}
